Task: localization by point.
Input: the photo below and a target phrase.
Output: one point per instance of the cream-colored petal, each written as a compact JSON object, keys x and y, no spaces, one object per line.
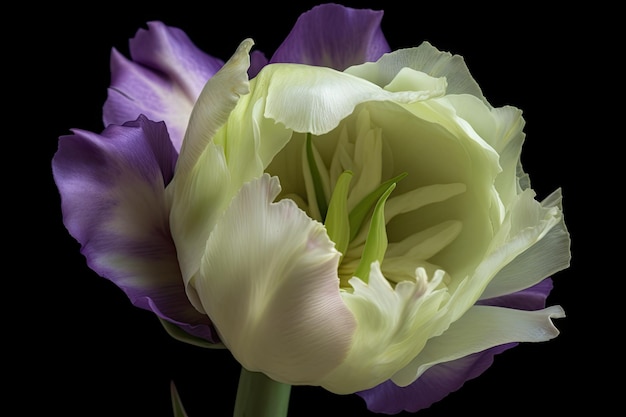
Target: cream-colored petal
{"x":425,"y":58}
{"x":393,"y":325}
{"x":502,"y":128}
{"x":478,"y":329}
{"x":201,"y":186}
{"x":538,"y":245}
{"x":408,"y":79}
{"x":427,"y":242}
{"x":218,"y":98}
{"x":315,"y":99}
{"x":228,"y":142}
{"x":269,"y":283}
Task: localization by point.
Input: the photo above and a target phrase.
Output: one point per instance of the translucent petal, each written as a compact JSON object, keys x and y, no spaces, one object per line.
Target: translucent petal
{"x":501,"y":128}
{"x":480,"y":328}
{"x":436,"y":383}
{"x":316,"y":99}
{"x":269,"y":282}
{"x":408,"y":79}
{"x":538,"y":242}
{"x":425,"y":58}
{"x":419,"y":197}
{"x":427,"y":242}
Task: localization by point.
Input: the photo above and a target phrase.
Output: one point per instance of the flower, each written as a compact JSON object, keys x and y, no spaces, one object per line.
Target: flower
{"x":337,"y":215}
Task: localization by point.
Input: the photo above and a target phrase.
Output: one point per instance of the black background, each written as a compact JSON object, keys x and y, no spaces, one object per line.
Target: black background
{"x":81,"y":349}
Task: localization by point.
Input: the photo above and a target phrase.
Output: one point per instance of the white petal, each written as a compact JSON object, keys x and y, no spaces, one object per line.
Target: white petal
{"x":538,"y":246}
{"x":216,"y":101}
{"x":419,"y":197}
{"x":425,"y":58}
{"x":427,"y":242}
{"x":478,"y":329}
{"x":409,"y":79}
{"x":228,"y":143}
{"x":393,"y":326}
{"x":502,"y":128}
{"x":269,"y":283}
{"x":201,"y":186}
{"x":316,"y":99}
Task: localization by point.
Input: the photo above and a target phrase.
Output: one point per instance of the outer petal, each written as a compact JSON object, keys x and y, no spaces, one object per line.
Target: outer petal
{"x":269,"y":282}
{"x":444,"y":378}
{"x":226,"y":145}
{"x":334,"y":36}
{"x":113,"y":202}
{"x":534,"y":239}
{"x":502,"y":128}
{"x":533,"y":298}
{"x":435,"y":384}
{"x":394,"y":324}
{"x":316,"y":99}
{"x":257,"y":61}
{"x":480,"y":328}
{"x":163,"y":80}
{"x":425,"y":58}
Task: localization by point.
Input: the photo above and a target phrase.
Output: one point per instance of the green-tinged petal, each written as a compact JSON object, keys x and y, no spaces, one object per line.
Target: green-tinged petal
{"x":481,"y":328}
{"x":376,"y":242}
{"x":218,"y":98}
{"x":539,"y":240}
{"x":316,"y":179}
{"x":393,"y":324}
{"x":201,"y":186}
{"x":413,"y":200}
{"x":502,"y":128}
{"x":363,"y":208}
{"x":316,"y":99}
{"x":425,"y":58}
{"x":419,"y":197}
{"x":442,"y":112}
{"x":447,"y":154}
{"x":427,"y":242}
{"x":408,"y":79}
{"x":526,"y":225}
{"x":269,"y":282}
{"x":227,"y":143}
{"x":367,"y":159}
{"x":337,"y":221}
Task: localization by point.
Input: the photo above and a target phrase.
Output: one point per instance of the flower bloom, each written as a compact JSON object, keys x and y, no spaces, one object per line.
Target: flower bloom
{"x":338,"y":215}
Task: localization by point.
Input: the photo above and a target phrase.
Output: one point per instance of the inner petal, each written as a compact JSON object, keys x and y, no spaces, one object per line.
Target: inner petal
{"x":373,"y":149}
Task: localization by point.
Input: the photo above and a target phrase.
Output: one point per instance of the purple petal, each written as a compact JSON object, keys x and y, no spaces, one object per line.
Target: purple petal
{"x":112,"y":188}
{"x":444,"y":378}
{"x":162,"y":80}
{"x":435,"y":384}
{"x":533,"y":298}
{"x":334,"y":36}
{"x":257,"y":61}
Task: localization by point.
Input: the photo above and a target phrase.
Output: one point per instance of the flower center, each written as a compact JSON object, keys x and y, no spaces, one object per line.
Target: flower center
{"x":348,"y":189}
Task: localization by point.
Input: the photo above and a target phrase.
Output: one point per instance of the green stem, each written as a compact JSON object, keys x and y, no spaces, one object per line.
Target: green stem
{"x":260,"y":396}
